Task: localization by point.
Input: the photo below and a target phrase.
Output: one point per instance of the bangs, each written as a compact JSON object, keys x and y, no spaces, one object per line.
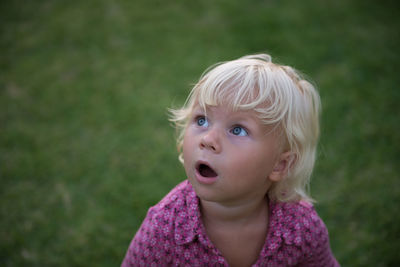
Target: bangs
{"x":241,"y":86}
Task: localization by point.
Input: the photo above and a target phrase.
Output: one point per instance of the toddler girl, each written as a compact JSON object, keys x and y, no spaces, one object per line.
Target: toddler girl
{"x":248,"y":137}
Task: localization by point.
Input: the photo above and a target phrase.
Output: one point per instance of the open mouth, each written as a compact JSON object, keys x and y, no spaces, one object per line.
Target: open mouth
{"x":206,"y":171}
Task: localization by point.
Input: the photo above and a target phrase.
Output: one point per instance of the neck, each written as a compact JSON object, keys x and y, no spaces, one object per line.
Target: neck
{"x":234,"y":215}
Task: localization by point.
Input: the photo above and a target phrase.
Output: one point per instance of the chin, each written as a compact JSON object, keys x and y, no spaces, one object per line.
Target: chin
{"x":202,"y":191}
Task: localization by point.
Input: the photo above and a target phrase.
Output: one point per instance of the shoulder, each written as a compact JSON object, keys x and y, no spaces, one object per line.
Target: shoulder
{"x":160,"y":218}
{"x":177,"y":215}
{"x":303,"y":213}
{"x":296,"y":236}
{"x":164,"y":227}
{"x":308,"y":233}
{"x":300,"y":224}
{"x":176,"y":203}
{"x":177,"y":197}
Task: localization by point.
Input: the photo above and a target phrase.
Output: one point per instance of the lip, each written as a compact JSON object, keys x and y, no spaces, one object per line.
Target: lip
{"x":200,"y":178}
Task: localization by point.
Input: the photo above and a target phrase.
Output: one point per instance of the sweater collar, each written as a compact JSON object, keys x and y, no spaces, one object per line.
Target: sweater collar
{"x":188,"y":223}
{"x":285,"y":226}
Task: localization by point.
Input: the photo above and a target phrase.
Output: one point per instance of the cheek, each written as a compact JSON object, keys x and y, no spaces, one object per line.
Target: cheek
{"x":184,"y":150}
{"x":253,"y":164}
{"x":187,"y":147}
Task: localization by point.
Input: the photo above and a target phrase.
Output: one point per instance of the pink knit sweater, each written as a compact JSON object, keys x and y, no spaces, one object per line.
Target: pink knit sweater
{"x":173,"y":234}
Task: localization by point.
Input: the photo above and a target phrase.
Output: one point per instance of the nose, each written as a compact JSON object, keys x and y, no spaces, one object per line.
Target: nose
{"x":211,"y":141}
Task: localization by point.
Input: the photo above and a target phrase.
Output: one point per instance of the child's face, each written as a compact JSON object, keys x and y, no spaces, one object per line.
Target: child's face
{"x":230,"y":156}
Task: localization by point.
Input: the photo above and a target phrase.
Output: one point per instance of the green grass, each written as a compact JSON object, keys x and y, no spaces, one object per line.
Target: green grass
{"x":86,"y":148}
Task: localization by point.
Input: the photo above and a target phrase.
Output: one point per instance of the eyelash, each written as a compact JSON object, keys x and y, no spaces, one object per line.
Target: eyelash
{"x":202,"y":121}
{"x":200,"y":117}
{"x":242,"y":129}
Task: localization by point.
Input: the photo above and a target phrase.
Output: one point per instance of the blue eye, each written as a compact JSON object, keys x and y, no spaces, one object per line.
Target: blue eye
{"x":202,"y":121}
{"x":239,"y":131}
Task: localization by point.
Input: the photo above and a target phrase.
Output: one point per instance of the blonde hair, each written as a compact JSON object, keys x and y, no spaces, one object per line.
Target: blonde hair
{"x":279,"y":96}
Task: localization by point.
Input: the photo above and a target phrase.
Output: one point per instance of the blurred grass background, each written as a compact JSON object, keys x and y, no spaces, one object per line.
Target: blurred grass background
{"x":86,"y":148}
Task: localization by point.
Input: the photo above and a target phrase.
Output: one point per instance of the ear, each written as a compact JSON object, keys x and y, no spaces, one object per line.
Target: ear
{"x":282,"y":166}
